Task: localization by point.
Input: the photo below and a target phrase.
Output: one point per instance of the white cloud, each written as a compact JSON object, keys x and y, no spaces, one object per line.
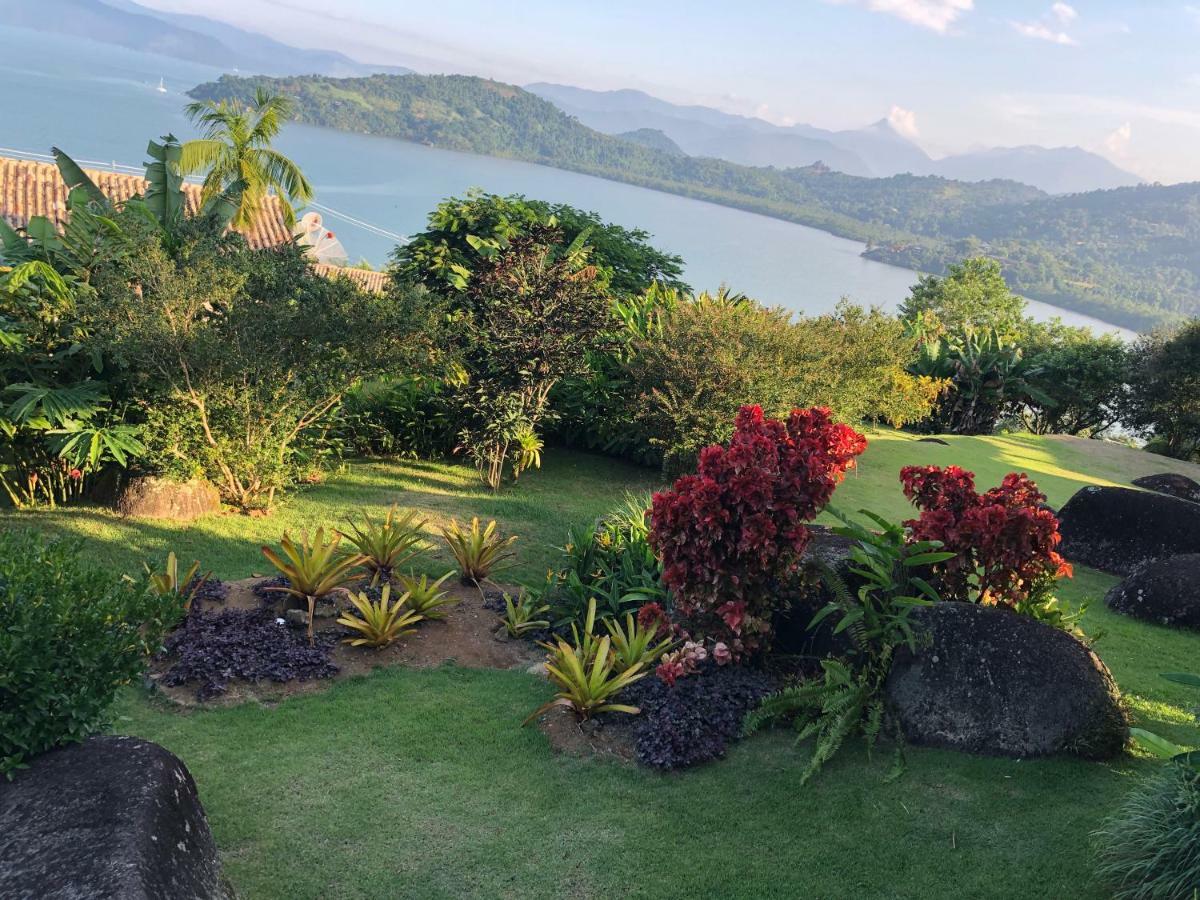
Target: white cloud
{"x":1064,"y":12}
{"x":1050,"y":26}
{"x":1043,"y":32}
{"x":904,"y":121}
{"x":936,"y":15}
{"x":1116,"y":143}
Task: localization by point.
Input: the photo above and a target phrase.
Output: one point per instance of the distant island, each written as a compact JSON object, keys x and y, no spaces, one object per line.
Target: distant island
{"x":1130,"y":256}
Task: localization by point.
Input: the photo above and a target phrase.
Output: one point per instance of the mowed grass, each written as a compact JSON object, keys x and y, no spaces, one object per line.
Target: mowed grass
{"x":421,"y":784}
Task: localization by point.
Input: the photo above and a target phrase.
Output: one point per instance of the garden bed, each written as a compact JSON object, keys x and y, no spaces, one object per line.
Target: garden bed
{"x":465,"y":637}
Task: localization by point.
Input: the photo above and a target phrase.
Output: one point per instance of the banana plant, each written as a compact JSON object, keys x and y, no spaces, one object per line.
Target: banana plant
{"x":1160,"y":746}
{"x":985,"y":374}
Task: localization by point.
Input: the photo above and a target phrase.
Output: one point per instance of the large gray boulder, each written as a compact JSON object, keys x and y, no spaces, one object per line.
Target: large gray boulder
{"x":1164,"y":591}
{"x":1117,"y":529}
{"x":987,"y":680}
{"x":1172,"y":484}
{"x":113,"y":817}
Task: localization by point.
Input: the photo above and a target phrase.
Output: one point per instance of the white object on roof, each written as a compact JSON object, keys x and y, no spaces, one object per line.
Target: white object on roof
{"x":322,"y":244}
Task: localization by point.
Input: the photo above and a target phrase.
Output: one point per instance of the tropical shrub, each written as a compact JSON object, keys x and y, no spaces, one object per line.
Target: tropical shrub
{"x":730,"y":533}
{"x":169,"y":585}
{"x":409,"y":416}
{"x":609,"y":560}
{"x":480,"y":553}
{"x":705,"y":357}
{"x":386,"y":546}
{"x":983,"y":375}
{"x":849,"y":698}
{"x":313,"y":569}
{"x":71,"y":635}
{"x":57,"y":422}
{"x":1004,"y":539}
{"x":379,"y":622}
{"x":525,"y":322}
{"x":239,"y":358}
{"x":425,"y":596}
{"x":209,"y":650}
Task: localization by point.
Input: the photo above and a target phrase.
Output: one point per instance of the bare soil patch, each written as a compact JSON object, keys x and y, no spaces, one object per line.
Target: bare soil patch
{"x":609,"y":736}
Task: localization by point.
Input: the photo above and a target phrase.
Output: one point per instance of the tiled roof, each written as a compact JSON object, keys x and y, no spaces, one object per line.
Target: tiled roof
{"x":366,"y":279}
{"x":29,"y":188}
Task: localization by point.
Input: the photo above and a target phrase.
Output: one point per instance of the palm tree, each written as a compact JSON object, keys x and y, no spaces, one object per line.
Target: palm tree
{"x":236,"y":152}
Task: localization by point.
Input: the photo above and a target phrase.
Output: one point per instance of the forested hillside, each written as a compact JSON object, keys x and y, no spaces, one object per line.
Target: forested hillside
{"x":1130,"y":256}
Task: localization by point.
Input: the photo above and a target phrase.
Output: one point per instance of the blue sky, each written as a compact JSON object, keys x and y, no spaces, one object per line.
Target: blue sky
{"x":1122,"y":79}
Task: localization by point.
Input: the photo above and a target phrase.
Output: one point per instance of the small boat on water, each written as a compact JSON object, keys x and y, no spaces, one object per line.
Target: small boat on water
{"x":162,"y":88}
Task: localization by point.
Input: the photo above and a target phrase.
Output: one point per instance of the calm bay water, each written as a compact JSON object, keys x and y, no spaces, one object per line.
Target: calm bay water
{"x":98,"y":102}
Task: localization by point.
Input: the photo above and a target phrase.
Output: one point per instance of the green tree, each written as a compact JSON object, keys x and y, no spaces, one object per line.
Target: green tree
{"x":1079,"y":377}
{"x":971,"y":295}
{"x":526,"y":322}
{"x":236,"y":155}
{"x":466,"y":233}
{"x":1163,"y":401}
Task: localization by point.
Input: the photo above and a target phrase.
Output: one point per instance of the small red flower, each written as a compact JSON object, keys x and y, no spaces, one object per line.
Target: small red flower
{"x":75,"y":474}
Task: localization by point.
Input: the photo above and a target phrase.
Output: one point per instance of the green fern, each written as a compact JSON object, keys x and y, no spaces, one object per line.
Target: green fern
{"x":849,"y":698}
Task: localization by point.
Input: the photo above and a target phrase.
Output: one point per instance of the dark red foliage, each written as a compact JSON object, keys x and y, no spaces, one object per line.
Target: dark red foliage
{"x":1005,"y":538}
{"x":728,"y":534}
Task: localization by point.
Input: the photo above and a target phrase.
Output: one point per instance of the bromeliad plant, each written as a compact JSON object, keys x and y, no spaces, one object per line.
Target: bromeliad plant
{"x":520,"y":615}
{"x":167,"y":584}
{"x":480,"y":553}
{"x":425,"y":596}
{"x":587,"y":678}
{"x":849,"y":697}
{"x":313,"y":570}
{"x":379,"y":622}
{"x":387,"y":545}
{"x":636,"y":644}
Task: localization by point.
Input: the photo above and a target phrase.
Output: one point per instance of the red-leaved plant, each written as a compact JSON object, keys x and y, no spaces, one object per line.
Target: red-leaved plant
{"x":1005,"y":538}
{"x":730,"y":533}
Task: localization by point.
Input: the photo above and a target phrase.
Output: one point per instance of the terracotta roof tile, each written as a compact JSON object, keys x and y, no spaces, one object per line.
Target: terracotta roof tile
{"x":29,"y":188}
{"x":368,"y":280}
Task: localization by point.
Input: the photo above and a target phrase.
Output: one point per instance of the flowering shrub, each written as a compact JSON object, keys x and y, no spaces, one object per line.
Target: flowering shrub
{"x":1004,"y":538}
{"x":728,"y":534}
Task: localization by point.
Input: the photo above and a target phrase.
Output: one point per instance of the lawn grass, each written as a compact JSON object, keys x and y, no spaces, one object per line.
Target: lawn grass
{"x":570,"y":487}
{"x":412,"y":783}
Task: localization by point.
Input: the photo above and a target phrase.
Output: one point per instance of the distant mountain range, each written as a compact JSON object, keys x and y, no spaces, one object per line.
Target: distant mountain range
{"x":1129,"y":255}
{"x":194,"y":38}
{"x":876,"y":151}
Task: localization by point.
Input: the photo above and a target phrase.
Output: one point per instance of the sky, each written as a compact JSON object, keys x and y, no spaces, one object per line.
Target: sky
{"x":1118,"y":78}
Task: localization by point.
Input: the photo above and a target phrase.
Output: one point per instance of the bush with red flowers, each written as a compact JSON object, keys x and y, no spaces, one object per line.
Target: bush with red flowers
{"x":729,"y":534}
{"x":1005,"y":538}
